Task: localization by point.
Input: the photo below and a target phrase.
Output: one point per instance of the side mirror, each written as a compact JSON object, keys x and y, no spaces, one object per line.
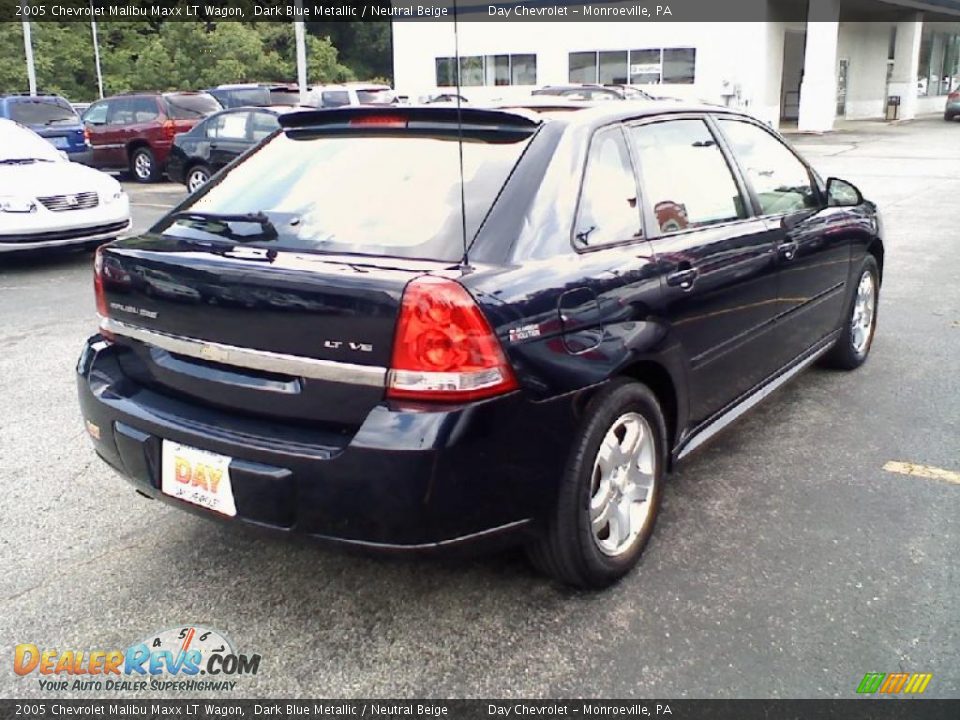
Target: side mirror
{"x":840,"y":193}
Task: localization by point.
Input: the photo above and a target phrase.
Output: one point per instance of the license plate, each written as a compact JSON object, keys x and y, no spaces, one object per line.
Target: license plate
{"x":61,"y":142}
{"x":197,"y":476}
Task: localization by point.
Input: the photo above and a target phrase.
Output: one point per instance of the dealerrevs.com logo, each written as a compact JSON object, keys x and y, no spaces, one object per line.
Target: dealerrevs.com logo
{"x":186,"y":658}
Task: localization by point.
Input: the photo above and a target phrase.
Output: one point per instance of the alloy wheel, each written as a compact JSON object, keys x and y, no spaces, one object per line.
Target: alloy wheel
{"x":622,"y":484}
{"x":864,"y":308}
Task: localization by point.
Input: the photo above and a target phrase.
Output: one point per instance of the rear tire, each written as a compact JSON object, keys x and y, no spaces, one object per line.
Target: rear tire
{"x":610,"y":492}
{"x":859,"y":320}
{"x":143,"y":165}
{"x":197,"y":177}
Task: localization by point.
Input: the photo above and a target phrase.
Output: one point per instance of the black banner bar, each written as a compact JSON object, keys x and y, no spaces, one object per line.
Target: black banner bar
{"x":469,"y":10}
{"x":127,"y":709}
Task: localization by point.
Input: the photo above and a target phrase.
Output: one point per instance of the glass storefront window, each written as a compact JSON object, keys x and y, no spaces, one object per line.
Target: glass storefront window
{"x":523,"y":69}
{"x":938,"y":72}
{"x":613,"y":67}
{"x":583,"y":67}
{"x":488,"y":70}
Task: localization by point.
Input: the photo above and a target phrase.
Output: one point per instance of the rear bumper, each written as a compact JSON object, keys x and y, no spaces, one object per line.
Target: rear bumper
{"x":407,"y":479}
{"x":84,"y":156}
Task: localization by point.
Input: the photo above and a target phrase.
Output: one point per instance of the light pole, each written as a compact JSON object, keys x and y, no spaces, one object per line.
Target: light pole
{"x":96,"y":54}
{"x":299,"y":34}
{"x":28,"y":50}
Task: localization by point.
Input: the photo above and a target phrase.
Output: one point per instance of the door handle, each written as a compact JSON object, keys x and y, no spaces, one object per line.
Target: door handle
{"x":788,"y":250}
{"x":684,"y":277}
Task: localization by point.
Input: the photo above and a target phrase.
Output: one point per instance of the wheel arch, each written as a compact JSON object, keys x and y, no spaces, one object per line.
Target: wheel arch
{"x":664,"y":386}
{"x":135,"y":145}
{"x":876,"y":249}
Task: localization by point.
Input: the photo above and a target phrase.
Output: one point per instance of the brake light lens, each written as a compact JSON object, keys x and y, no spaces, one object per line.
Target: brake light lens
{"x":381,"y":121}
{"x":99,"y":293}
{"x":169,"y":129}
{"x":86,"y":135}
{"x":953,"y":96}
{"x":444,"y":348}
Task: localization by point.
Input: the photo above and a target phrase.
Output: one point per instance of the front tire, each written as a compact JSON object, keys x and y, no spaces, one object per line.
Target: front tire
{"x":143,"y":165}
{"x":610,"y":493}
{"x":859,"y":320}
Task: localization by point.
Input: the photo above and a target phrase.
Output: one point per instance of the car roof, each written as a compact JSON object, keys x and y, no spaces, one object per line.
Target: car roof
{"x":592,"y":113}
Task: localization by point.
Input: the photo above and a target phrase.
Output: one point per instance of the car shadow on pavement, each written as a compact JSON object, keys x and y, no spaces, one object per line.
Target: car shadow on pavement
{"x":42,"y":260}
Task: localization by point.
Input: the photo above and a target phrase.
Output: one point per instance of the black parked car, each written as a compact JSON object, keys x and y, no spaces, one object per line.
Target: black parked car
{"x":313,"y":344}
{"x":219,"y":140}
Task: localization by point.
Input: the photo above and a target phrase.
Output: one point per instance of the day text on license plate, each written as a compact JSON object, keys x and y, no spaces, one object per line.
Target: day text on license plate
{"x":197,"y":476}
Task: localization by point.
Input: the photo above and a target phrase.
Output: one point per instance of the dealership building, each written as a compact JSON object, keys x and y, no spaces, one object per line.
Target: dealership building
{"x":834,"y":59}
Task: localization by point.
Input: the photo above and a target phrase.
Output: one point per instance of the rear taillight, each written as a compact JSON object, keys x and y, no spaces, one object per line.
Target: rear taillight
{"x":169,"y":129}
{"x":953,"y":96}
{"x":86,"y":135}
{"x":99,"y":293}
{"x":381,"y":121}
{"x":444,"y":348}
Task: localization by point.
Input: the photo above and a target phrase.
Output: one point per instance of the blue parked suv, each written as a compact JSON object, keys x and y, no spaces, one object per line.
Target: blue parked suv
{"x":52,"y":118}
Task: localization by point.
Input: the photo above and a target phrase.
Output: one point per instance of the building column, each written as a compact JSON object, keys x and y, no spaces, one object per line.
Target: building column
{"x":818,"y":90}
{"x":906,"y":64}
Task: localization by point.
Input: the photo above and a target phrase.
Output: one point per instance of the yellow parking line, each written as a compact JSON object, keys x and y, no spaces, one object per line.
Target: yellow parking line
{"x":924,"y":471}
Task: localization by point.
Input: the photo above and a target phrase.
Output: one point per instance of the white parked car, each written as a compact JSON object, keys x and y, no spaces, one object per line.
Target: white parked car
{"x":326,"y":96}
{"x":48,"y":201}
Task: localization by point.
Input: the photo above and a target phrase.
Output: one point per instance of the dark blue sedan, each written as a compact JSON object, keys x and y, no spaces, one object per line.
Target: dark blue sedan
{"x":414,"y":328}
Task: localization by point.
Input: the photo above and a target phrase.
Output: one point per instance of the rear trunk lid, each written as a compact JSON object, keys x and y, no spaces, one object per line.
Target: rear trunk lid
{"x":275,"y":291}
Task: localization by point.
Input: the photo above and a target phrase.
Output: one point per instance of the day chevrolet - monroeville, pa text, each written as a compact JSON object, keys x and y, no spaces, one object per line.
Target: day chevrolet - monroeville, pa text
{"x":360,"y":334}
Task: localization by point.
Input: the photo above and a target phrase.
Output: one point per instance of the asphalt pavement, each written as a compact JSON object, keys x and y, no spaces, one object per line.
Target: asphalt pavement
{"x":787,"y":562}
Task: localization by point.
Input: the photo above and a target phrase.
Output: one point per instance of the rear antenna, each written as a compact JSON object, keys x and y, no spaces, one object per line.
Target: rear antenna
{"x":465,"y":261}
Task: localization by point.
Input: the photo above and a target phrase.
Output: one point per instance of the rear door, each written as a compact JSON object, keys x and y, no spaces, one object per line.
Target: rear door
{"x":95,"y":121}
{"x":813,"y":252}
{"x":116,"y":133}
{"x":715,"y":261}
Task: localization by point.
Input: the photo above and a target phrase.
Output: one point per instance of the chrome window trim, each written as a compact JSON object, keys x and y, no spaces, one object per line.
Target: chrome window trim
{"x":263,"y":360}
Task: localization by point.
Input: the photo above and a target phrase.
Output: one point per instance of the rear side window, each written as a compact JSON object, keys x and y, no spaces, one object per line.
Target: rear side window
{"x":685,"y":176}
{"x":379,"y":96}
{"x":190,"y":107}
{"x":261,"y":125}
{"x":120,"y":112}
{"x":335,"y":98}
{"x":781,"y":182}
{"x":371,"y":194}
{"x":42,"y":112}
{"x":608,"y":209}
{"x":144,"y":109}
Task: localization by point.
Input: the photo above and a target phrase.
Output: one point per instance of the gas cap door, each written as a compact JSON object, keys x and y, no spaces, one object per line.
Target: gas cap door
{"x":580,"y":320}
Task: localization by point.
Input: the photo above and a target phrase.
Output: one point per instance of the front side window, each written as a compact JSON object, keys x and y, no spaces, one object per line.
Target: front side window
{"x":685,"y":176}
{"x":96,"y":114}
{"x":608,"y":211}
{"x":782,"y":183}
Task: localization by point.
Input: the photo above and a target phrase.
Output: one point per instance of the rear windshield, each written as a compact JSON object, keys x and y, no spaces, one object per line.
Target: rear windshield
{"x":376,"y":96}
{"x":188,"y":107}
{"x":369,"y":194}
{"x":239,"y":97}
{"x":43,"y":112}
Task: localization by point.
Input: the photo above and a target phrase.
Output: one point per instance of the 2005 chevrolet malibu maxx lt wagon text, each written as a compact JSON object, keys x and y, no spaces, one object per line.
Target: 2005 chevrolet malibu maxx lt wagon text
{"x":334,"y":338}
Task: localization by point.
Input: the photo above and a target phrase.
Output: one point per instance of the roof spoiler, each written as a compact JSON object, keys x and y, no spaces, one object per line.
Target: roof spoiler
{"x":428,"y":118}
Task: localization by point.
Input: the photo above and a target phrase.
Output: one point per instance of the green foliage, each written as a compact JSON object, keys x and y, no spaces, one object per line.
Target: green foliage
{"x":138,"y":55}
